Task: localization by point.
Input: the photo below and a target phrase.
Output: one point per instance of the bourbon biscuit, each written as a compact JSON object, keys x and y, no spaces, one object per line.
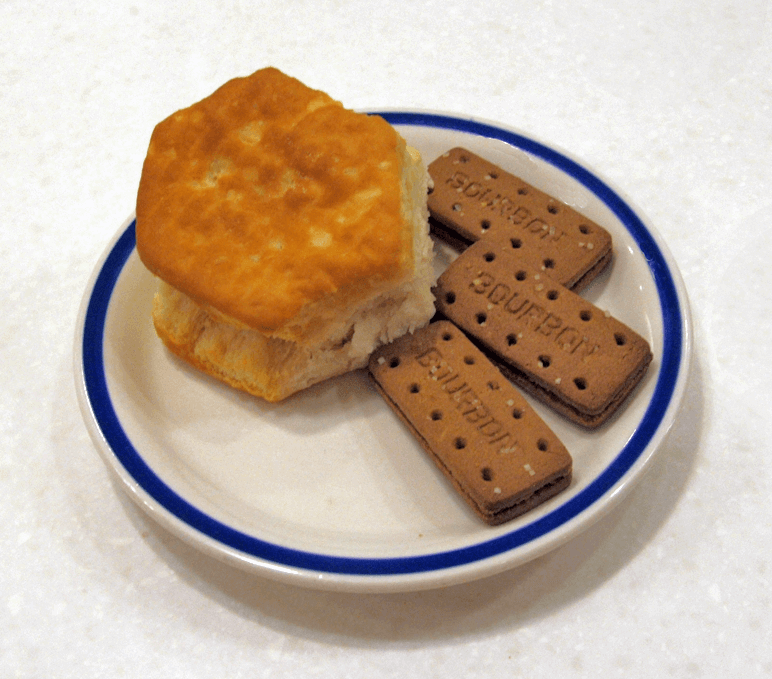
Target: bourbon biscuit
{"x":547,"y":339}
{"x":478,"y":429}
{"x":471,"y":198}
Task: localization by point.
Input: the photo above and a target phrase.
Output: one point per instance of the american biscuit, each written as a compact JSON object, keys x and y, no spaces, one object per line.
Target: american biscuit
{"x":289,"y":234}
{"x":478,"y":429}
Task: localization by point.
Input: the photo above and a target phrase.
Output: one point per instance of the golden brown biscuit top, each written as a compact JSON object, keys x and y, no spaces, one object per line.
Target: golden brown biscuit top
{"x":267,"y":196}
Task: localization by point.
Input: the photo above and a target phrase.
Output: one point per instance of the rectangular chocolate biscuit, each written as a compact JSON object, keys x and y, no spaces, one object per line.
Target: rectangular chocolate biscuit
{"x":547,"y":339}
{"x":471,"y":198}
{"x":478,"y":429}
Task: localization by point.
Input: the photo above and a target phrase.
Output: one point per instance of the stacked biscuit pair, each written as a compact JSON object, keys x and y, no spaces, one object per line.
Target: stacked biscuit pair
{"x":511,"y":308}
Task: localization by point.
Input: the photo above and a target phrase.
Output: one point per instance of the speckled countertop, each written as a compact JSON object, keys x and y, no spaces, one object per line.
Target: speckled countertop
{"x":671,"y":101}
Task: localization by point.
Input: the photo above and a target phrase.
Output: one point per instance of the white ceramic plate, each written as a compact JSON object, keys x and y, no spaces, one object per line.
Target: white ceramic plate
{"x":328,"y":489}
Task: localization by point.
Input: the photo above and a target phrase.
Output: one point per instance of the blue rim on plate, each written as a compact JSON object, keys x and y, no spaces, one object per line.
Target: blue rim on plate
{"x":109,"y":425}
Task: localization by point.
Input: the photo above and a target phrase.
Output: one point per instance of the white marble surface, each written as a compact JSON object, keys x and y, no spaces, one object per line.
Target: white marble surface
{"x":671,"y":101}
